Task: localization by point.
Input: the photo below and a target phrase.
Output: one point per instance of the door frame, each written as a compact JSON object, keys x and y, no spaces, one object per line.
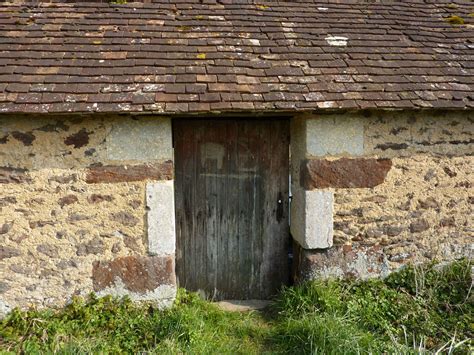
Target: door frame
{"x":236,"y":118}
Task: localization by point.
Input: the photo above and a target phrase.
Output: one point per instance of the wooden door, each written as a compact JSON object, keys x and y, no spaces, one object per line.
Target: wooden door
{"x":232,"y":206}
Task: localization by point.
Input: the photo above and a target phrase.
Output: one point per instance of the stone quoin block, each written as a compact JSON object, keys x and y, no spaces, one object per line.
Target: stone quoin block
{"x":339,"y":262}
{"x":312,"y":218}
{"x":343,"y":173}
{"x":142,"y":278}
{"x":335,"y":135}
{"x":161,"y":218}
{"x":144,"y":139}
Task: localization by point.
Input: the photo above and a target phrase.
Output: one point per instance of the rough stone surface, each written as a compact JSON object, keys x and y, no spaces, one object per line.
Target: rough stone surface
{"x":334,"y":135}
{"x":113,"y":174}
{"x":55,"y":224}
{"x":243,"y":305}
{"x":9,"y":200}
{"x":161,"y":218}
{"x":416,"y":211}
{"x":98,"y":198}
{"x":53,"y":148}
{"x":49,"y":250}
{"x":67,"y":200}
{"x":11,"y":175}
{"x":344,"y":173}
{"x":421,"y":210}
{"x":6,"y":227}
{"x":409,"y":133}
{"x":95,"y":246}
{"x":5,"y":308}
{"x":137,"y":273}
{"x":312,"y":218}
{"x":124,"y":218}
{"x":151,"y":137}
{"x":419,"y":225}
{"x":346,"y":261}
{"x":79,"y":139}
{"x":8,"y":252}
{"x":409,"y":230}
{"x":144,"y":278}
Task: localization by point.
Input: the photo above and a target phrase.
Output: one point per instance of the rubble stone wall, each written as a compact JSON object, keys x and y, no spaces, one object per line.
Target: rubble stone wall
{"x":86,"y":203}
{"x":401,"y":186}
{"x":73,"y":209}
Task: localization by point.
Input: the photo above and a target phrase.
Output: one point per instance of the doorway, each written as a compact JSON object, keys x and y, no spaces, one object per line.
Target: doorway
{"x":231,"y":195}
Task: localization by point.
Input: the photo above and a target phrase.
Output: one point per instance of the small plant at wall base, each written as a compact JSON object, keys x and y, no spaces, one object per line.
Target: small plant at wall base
{"x":423,"y":309}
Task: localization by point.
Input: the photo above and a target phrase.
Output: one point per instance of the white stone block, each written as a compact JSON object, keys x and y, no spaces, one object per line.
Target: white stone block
{"x":161,"y":218}
{"x":335,"y":135}
{"x":142,"y":139}
{"x":5,"y":309}
{"x":312,"y":218}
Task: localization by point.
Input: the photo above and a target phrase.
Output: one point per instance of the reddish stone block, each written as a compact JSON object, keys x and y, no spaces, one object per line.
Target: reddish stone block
{"x":113,"y":174}
{"x":67,"y":200}
{"x":137,"y":273}
{"x":78,"y":139}
{"x":12,"y":175}
{"x":344,"y":173}
{"x":27,"y":138}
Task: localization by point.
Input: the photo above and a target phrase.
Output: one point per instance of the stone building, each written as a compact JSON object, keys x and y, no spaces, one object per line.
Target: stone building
{"x":149,"y":145}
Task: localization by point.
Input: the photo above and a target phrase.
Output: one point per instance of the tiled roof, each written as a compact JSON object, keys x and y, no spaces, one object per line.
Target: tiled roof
{"x":191,"y":56}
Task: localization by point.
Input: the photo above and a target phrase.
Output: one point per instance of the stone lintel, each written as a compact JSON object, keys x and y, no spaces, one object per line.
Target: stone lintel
{"x":343,"y":173}
{"x":161,"y":218}
{"x":129,"y":173}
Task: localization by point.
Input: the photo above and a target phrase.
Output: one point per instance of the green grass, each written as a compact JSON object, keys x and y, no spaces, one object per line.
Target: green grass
{"x":420,"y":309}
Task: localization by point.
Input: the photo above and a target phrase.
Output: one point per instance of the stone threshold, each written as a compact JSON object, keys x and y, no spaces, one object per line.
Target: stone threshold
{"x":242,"y":305}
